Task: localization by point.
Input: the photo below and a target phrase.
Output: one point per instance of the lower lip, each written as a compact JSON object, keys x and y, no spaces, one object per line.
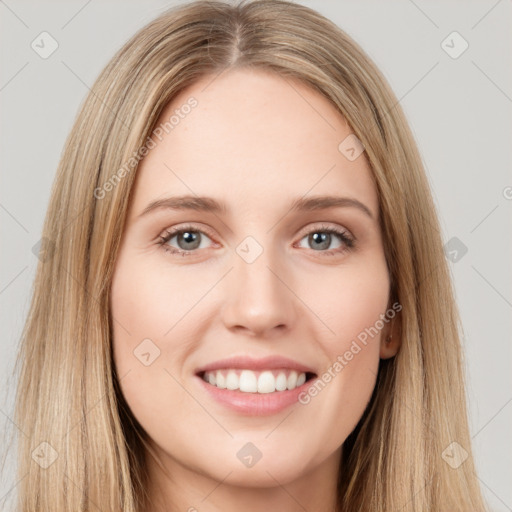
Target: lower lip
{"x":255,"y":404}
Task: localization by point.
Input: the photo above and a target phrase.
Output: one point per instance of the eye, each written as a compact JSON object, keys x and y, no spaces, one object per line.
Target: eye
{"x":188,"y":239}
{"x":321,"y":238}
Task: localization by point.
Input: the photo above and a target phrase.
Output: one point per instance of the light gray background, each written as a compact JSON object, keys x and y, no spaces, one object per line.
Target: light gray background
{"x":459,"y":110}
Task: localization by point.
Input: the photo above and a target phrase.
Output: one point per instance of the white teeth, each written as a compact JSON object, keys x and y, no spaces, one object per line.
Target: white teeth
{"x":266,"y":383}
{"x":281,"y":382}
{"x":232,"y":381}
{"x":248,"y":381}
{"x":292,"y":380}
{"x":221,"y":380}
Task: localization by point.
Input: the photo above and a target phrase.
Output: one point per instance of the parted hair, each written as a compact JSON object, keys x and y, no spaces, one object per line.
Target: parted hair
{"x":68,"y":394}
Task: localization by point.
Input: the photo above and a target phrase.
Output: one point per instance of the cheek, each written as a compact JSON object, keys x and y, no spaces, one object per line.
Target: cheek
{"x":148,"y":303}
{"x":149,"y":342}
{"x":350,"y":305}
{"x":349,"y":302}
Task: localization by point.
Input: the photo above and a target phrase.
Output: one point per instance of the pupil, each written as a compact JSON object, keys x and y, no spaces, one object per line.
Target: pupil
{"x":190,"y":238}
{"x":324,"y":238}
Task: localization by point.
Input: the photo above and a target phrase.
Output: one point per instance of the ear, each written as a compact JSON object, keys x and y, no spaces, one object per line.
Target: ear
{"x":391,"y":336}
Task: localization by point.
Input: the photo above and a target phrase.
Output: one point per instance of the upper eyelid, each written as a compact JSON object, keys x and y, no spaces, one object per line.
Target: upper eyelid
{"x":323,"y":225}
{"x":171,"y":232}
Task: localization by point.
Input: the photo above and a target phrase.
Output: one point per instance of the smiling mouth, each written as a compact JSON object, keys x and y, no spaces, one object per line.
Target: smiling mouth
{"x":256,"y":382}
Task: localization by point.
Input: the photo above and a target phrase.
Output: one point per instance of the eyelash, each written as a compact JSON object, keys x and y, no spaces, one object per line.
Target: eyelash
{"x":343,"y":235}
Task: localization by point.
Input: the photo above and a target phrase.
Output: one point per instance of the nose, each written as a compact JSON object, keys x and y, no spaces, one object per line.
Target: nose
{"x":258,"y":298}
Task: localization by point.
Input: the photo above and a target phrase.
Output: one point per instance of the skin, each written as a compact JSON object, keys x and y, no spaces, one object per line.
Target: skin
{"x":256,"y":143}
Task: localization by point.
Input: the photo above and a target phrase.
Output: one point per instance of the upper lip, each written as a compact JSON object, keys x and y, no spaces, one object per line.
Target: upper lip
{"x":249,"y":363}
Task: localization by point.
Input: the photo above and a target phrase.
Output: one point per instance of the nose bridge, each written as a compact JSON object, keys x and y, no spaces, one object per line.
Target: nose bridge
{"x":258,"y":298}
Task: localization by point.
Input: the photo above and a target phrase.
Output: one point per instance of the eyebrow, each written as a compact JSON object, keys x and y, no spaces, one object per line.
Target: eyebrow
{"x":208,"y":204}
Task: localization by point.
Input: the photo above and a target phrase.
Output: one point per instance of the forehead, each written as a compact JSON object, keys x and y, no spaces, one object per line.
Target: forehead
{"x":252,"y":139}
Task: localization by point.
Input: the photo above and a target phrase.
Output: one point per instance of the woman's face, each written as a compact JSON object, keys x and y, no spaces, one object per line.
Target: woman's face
{"x":255,"y":279}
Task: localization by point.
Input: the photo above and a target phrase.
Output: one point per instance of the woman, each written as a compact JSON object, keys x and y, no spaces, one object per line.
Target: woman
{"x":247,"y":302}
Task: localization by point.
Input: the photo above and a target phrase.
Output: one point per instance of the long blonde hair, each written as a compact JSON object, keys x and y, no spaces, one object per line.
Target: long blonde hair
{"x":68,"y":395}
